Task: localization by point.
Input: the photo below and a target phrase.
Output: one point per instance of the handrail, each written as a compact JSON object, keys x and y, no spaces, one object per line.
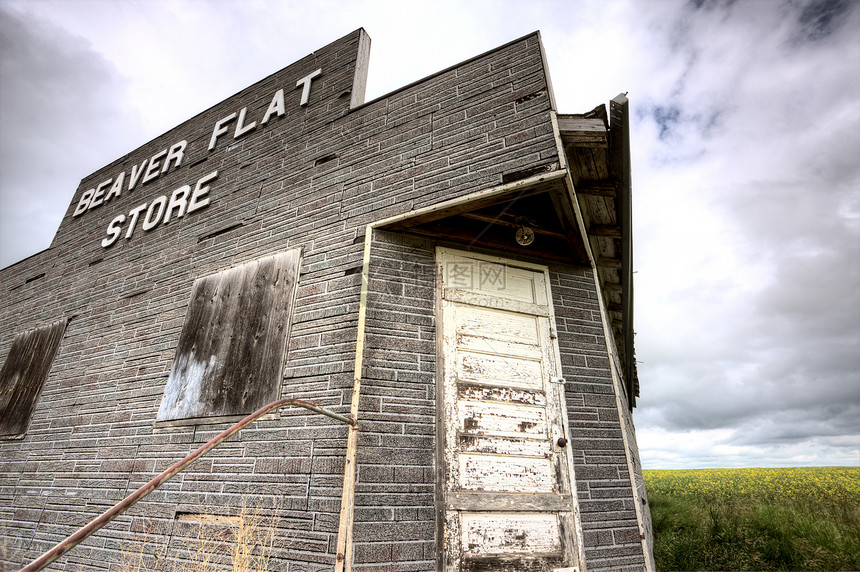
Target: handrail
{"x":128,"y":501}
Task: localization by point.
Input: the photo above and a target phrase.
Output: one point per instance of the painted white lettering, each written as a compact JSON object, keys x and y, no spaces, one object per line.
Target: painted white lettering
{"x":276,"y":107}
{"x":152,"y":171}
{"x":174,"y":155}
{"x":305,"y":84}
{"x":98,"y":196}
{"x":150,"y":221}
{"x":84,"y":203}
{"x":116,"y":189}
{"x":134,"y":214}
{"x":178,"y":200}
{"x":182,"y":200}
{"x":220,"y":129}
{"x":241,"y":128}
{"x":201,"y":189}
{"x":114,"y":229}
{"x":136,"y":172}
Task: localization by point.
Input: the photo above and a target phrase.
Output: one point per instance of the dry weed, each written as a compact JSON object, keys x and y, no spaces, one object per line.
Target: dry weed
{"x":244,"y":541}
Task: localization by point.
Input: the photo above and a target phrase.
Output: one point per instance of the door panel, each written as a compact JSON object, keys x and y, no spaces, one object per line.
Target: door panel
{"x":496,"y":369}
{"x":501,"y":419}
{"x":527,"y":447}
{"x":486,"y":534}
{"x":506,"y":473}
{"x":499,"y":324}
{"x":507,"y":394}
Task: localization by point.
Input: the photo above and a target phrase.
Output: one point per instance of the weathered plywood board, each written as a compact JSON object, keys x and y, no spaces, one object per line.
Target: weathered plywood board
{"x":583,"y":131}
{"x":231,"y":350}
{"x":24,"y":373}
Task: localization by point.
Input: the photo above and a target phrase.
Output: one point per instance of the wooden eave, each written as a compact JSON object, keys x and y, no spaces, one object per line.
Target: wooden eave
{"x":597,"y":148}
{"x":492,"y":222}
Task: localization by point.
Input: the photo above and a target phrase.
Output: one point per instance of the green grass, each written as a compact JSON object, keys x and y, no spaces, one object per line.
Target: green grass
{"x":756,"y":519}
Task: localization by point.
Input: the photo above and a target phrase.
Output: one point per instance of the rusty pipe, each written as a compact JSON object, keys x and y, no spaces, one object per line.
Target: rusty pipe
{"x":128,"y":501}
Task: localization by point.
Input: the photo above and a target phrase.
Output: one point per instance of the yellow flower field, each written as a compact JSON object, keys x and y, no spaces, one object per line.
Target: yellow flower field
{"x":822,"y":483}
{"x":805,"y":518}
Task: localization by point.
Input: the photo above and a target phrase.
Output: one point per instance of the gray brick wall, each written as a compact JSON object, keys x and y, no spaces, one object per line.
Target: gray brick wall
{"x":396,"y":482}
{"x":610,"y":527}
{"x":311,"y":179}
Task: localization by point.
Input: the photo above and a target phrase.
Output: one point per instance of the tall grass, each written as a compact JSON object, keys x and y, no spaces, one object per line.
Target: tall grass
{"x":245,"y":542}
{"x":756,"y":519}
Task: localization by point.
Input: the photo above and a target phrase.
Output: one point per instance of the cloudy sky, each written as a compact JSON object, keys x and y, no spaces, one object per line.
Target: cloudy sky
{"x":746,"y":166}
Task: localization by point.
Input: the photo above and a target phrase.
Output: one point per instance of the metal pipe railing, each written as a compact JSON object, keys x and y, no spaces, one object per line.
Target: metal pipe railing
{"x":128,"y":501}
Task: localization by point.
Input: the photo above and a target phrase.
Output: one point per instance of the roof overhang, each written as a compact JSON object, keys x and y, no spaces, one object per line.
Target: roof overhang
{"x":597,"y":149}
{"x":539,"y":201}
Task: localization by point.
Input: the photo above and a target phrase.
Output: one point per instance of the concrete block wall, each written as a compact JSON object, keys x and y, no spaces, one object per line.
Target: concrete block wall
{"x":395,"y":517}
{"x":609,"y":522}
{"x":311,"y":179}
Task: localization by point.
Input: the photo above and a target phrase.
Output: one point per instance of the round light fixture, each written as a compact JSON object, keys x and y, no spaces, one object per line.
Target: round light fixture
{"x":525,"y":236}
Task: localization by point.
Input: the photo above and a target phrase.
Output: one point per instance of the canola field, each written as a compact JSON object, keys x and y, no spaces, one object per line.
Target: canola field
{"x":804,"y":518}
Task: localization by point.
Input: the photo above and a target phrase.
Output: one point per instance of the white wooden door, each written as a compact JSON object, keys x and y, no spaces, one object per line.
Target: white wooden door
{"x":507,"y":467}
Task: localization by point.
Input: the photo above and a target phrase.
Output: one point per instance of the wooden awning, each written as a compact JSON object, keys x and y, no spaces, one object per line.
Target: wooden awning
{"x":493,"y":222}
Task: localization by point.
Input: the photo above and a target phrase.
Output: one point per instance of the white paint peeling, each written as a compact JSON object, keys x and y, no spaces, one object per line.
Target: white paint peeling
{"x":499,"y":370}
{"x":507,"y":394}
{"x":497,"y":324}
{"x":495,"y":534}
{"x":504,"y":419}
{"x":506,"y":473}
{"x":506,"y":446}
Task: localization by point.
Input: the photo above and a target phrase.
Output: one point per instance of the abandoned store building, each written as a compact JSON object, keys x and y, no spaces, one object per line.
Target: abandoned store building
{"x":426,"y":298}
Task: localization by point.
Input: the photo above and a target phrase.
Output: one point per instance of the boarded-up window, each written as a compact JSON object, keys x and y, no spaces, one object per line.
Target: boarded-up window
{"x":231,"y":350}
{"x":23,"y":374}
